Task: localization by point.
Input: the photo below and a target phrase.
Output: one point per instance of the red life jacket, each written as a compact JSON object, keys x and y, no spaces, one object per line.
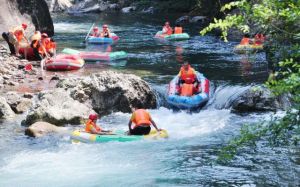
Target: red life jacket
{"x":188,"y":76}
{"x":187,"y":90}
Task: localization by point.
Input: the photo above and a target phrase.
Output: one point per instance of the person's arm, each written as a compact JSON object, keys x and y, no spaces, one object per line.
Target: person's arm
{"x":154,"y":125}
{"x":129,"y":125}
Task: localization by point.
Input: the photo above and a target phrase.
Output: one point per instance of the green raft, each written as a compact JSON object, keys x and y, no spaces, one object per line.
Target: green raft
{"x":96,"y":56}
{"x":172,"y":37}
{"x":118,"y":136}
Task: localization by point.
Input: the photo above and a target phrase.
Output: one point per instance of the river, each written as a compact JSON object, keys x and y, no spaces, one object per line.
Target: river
{"x":188,"y":157}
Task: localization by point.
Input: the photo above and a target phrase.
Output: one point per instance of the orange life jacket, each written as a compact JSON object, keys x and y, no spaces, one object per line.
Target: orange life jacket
{"x":141,"y":118}
{"x":187,"y":90}
{"x":44,"y":43}
{"x":178,"y":30}
{"x":245,"y":41}
{"x":89,"y":125}
{"x":188,"y":76}
{"x":19,"y":33}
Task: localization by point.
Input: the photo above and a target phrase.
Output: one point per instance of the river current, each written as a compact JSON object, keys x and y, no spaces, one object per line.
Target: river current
{"x":188,"y":157}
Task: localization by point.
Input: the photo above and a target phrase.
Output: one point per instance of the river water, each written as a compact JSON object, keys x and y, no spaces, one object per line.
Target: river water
{"x":188,"y":157}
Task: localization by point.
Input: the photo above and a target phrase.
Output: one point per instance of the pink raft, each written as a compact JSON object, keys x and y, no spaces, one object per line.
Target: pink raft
{"x":63,"y":62}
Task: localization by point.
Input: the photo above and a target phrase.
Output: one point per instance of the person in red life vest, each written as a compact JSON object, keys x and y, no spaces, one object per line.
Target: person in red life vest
{"x":93,"y":128}
{"x":246,"y":40}
{"x":187,"y":75}
{"x":259,"y":39}
{"x":43,"y":43}
{"x":167,"y":30}
{"x":14,"y":37}
{"x":178,"y":29}
{"x":105,"y":32}
{"x":142,"y":120}
{"x":96,"y":32}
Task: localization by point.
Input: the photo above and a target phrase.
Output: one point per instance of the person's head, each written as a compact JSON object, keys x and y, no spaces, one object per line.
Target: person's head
{"x":44,"y":36}
{"x":95,"y":29}
{"x":178,"y":25}
{"x":105,"y":27}
{"x":246,"y":35}
{"x":167,"y":24}
{"x":24,"y":26}
{"x":93,"y":117}
{"x":186,"y":65}
{"x":37,"y":32}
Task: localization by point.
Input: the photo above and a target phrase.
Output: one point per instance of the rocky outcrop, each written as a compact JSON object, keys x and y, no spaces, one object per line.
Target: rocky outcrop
{"x":19,"y":102}
{"x":89,"y":6}
{"x":57,"y":107}
{"x":199,"y":20}
{"x":110,"y":91}
{"x":39,"y":129}
{"x":5,"y":110}
{"x":59,"y":5}
{"x":33,"y":12}
{"x":259,"y":98}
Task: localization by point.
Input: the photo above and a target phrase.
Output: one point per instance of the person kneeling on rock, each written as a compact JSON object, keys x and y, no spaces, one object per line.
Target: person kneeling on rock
{"x":93,"y":128}
{"x":142,"y":120}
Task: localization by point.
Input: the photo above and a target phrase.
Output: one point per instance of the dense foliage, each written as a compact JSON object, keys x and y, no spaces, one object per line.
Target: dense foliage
{"x":280,"y":21}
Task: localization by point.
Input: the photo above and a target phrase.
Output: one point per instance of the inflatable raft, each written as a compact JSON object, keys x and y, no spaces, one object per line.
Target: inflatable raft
{"x":243,"y":49}
{"x":63,"y":62}
{"x":188,"y":102}
{"x":119,"y":136}
{"x":183,"y":36}
{"x":100,"y":40}
{"x":96,"y":56}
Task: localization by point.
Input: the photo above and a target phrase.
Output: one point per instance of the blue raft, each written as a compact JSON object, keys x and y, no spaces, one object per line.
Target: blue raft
{"x":188,"y":102}
{"x":100,"y":40}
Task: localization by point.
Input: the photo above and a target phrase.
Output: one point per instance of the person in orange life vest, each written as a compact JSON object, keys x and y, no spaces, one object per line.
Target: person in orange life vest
{"x":167,"y":30}
{"x":43,"y":44}
{"x":35,"y":44}
{"x":14,"y":37}
{"x":187,"y":75}
{"x":178,"y":29}
{"x":142,"y":120}
{"x":259,"y":39}
{"x":93,"y":128}
{"x":105,"y":32}
{"x":95,"y":32}
{"x":246,"y":40}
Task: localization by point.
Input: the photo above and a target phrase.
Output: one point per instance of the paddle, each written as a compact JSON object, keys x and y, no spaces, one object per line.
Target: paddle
{"x":88,"y":33}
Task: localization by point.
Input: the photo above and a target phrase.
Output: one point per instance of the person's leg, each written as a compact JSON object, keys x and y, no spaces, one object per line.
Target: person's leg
{"x":10,"y":45}
{"x":140,"y":131}
{"x":37,"y":54}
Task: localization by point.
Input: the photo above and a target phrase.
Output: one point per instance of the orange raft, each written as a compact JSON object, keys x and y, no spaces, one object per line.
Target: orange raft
{"x":63,"y":62}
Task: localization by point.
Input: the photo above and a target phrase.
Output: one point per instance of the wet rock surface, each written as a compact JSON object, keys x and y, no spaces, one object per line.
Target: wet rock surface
{"x":40,"y":128}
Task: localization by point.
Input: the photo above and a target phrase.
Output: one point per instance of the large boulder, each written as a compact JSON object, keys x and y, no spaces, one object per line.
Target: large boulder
{"x":59,"y":5}
{"x":89,"y":6}
{"x":18,"y":102}
{"x":259,"y":98}
{"x":5,"y":110}
{"x":110,"y":91}
{"x":40,"y":128}
{"x":57,"y":107}
{"x":33,"y":12}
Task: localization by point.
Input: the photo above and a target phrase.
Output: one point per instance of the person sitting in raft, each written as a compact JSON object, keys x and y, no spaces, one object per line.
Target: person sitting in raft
{"x":187,"y":80}
{"x":105,"y":32}
{"x":93,"y":128}
{"x":167,"y":30}
{"x":259,"y":39}
{"x":178,"y":29}
{"x":246,"y":40}
{"x":95,"y":32}
{"x":142,"y":120}
{"x":14,"y":38}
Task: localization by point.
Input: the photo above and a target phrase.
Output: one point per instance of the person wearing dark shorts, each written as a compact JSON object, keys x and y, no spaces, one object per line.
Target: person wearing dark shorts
{"x":5,"y":36}
{"x":142,"y":120}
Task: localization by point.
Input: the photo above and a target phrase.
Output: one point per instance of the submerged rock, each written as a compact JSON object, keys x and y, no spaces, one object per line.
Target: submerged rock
{"x":109,"y":91}
{"x":56,"y":106}
{"x":39,"y":129}
{"x":5,"y":110}
{"x":259,"y":98}
{"x":128,"y":9}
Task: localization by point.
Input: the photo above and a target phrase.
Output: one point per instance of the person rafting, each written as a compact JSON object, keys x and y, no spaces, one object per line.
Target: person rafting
{"x":187,"y":82}
{"x":35,"y":44}
{"x":167,"y":30}
{"x":259,"y":39}
{"x":14,"y":38}
{"x":105,"y":32}
{"x":178,"y":29}
{"x":246,"y":40}
{"x":142,"y":120}
{"x":93,"y":128}
{"x":95,"y":32}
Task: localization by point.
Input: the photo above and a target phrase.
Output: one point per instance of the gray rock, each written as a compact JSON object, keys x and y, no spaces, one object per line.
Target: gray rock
{"x":149,"y":10}
{"x":183,"y":20}
{"x":59,"y":5}
{"x":128,"y":9}
{"x":23,"y":106}
{"x":89,"y":6}
{"x":199,"y":19}
{"x":259,"y":98}
{"x":110,"y":91}
{"x":5,"y":110}
{"x":56,"y":106}
{"x":114,"y":6}
{"x":17,"y":102}
{"x":40,"y":128}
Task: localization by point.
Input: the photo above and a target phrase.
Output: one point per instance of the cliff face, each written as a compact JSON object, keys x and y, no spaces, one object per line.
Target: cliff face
{"x":33,"y":12}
